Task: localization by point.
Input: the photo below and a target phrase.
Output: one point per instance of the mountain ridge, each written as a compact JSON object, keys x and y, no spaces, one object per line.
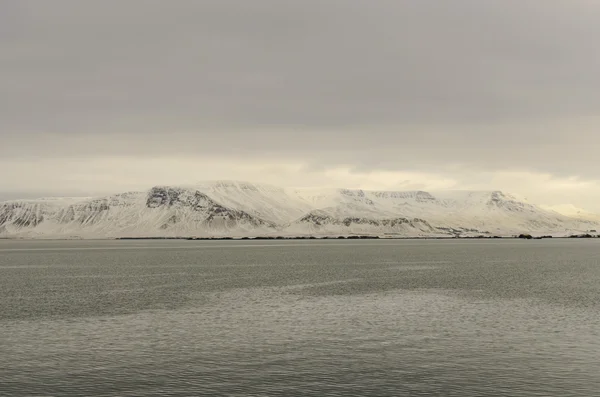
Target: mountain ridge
{"x":244,"y":209}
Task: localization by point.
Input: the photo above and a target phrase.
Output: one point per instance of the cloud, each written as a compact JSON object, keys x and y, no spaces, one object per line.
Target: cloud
{"x":386,"y":90}
{"x":570,"y":150}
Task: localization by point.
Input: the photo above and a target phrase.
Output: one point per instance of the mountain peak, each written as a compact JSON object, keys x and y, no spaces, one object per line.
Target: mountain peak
{"x":240,"y":208}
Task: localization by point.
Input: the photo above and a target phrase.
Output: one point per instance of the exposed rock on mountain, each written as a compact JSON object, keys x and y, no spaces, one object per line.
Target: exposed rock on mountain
{"x":227,"y":208}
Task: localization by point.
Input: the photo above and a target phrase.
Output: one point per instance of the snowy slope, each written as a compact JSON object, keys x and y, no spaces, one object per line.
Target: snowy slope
{"x":573,"y":211}
{"x":268,"y":202}
{"x":450,"y":211}
{"x":233,"y":208}
{"x":32,"y":215}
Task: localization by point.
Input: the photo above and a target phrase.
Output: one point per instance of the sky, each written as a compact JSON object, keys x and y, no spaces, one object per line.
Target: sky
{"x":105,"y":96}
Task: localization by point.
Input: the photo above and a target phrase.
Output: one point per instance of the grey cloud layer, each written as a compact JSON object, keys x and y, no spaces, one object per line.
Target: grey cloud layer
{"x":419,"y":83}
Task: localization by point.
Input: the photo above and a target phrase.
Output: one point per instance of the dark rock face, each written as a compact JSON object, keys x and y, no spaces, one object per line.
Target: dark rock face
{"x":419,"y":196}
{"x":169,"y":197}
{"x":500,"y":200}
{"x":352,"y":193}
{"x":358,"y":195}
{"x":85,"y":213}
{"x":460,"y":230}
{"x":21,"y":214}
{"x":92,"y":211}
{"x":162,"y":196}
{"x":170,"y":222}
{"x":320,"y":220}
{"x":179,"y":198}
{"x":317,"y":219}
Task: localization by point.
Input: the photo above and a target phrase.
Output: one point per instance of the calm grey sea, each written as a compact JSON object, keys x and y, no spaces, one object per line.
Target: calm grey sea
{"x":300,"y":318}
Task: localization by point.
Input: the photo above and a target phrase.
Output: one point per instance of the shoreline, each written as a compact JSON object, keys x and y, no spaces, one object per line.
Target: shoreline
{"x":280,"y":238}
{"x":356,"y":237}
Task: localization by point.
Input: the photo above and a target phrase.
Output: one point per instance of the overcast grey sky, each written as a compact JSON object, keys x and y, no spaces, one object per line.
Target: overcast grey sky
{"x":104,"y":96}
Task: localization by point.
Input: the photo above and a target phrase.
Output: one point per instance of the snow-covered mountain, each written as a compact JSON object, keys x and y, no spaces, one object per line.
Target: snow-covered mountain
{"x":231,"y":208}
{"x":572,"y":211}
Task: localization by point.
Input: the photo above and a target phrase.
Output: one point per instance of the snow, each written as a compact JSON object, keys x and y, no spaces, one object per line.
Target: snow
{"x":238,"y":208}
